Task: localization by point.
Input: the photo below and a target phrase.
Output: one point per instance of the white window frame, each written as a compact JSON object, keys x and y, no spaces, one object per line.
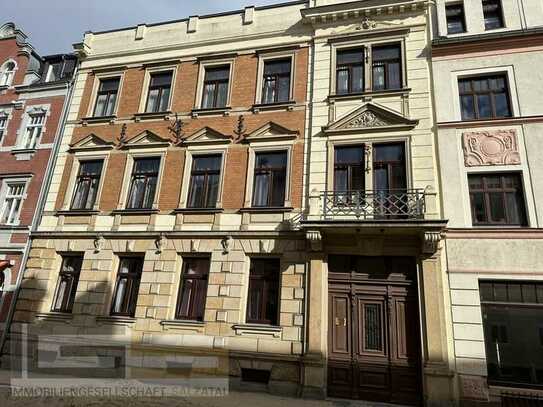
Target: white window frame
{"x":31,"y":111}
{"x":508,"y":71}
{"x":357,"y":141}
{"x":272,"y":56}
{"x":195,"y":151}
{"x":6,"y":182}
{"x":268,"y":146}
{"x":127,"y":177}
{"x":78,"y":159}
{"x":198,"y":103}
{"x":30,"y":140}
{"x":147,"y":81}
{"x":368,"y":72}
{"x":98,"y":77}
{"x":4,"y":120}
{"x":4,"y":73}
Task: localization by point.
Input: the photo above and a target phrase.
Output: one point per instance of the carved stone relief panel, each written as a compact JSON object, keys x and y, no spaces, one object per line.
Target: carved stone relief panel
{"x":496,"y":147}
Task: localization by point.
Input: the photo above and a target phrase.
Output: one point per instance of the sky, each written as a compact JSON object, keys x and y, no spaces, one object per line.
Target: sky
{"x":54,"y":25}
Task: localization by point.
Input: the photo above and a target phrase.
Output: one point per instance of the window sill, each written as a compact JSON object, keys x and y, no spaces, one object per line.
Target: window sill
{"x":225,"y":111}
{"x":98,"y":119}
{"x":258,"y":329}
{"x":185,"y":325}
{"x":267,"y":209}
{"x":152,"y":115}
{"x":5,"y":226}
{"x":288,"y":105}
{"x":198,"y":210}
{"x":349,"y":96}
{"x":24,"y":151}
{"x":55,"y":316}
{"x":116,"y":320}
{"x":134,"y":211}
{"x":76,"y":212}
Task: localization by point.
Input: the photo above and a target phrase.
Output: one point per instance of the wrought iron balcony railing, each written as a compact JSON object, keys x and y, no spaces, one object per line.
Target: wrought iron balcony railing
{"x":374,"y":204}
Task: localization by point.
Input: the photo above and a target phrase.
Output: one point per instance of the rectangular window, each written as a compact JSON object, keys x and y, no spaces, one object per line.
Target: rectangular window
{"x":143,"y":183}
{"x":3,"y":125}
{"x":386,"y":67}
{"x":204,"y":181}
{"x":193,"y":289}
{"x":349,"y":168}
{"x":497,"y":199}
{"x":389,"y":174}
{"x":33,"y":131}
{"x":456,"y":21}
{"x":215,"y":93}
{"x":484,"y":97}
{"x":106,"y":97}
{"x":125,"y":295}
{"x":350,"y":71}
{"x":67,"y":284}
{"x":493,"y":14}
{"x":86,"y":185}
{"x":276,"y":81}
{"x":270,"y":179}
{"x":158,"y":96}
{"x":13,"y":202}
{"x":512,"y":327}
{"x":263,"y":298}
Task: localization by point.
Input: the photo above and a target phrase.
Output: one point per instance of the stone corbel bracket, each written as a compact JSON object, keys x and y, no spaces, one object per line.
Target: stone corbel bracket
{"x":430,"y":242}
{"x":314,"y":238}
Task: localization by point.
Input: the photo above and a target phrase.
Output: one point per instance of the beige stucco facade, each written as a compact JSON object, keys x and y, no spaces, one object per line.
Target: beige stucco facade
{"x":487,"y":253}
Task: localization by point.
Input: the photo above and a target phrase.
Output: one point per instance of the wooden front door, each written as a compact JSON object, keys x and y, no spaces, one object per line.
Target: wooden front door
{"x":373,"y":344}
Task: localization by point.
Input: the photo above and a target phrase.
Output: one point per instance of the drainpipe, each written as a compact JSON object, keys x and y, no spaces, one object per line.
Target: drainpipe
{"x":40,"y":206}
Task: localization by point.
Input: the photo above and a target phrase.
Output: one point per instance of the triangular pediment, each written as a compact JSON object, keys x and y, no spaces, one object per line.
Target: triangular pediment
{"x":91,"y":142}
{"x":146,"y":139}
{"x":370,"y":117}
{"x":207,"y":135}
{"x":271,"y":131}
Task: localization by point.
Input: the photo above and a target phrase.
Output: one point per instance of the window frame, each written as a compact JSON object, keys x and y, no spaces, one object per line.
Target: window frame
{"x":462,"y":17}
{"x":199,"y":276}
{"x":98,"y":77}
{"x":206,"y":173}
{"x":274,"y":56}
{"x":134,"y":275}
{"x":349,"y":67}
{"x":131,"y":181}
{"x":149,"y":72}
{"x":67,"y":302}
{"x":76,"y":183}
{"x":3,"y":196}
{"x":4,"y":122}
{"x":29,"y":132}
{"x":346,"y":43}
{"x":215,"y":63}
{"x":473,"y":94}
{"x":386,"y":64}
{"x":501,"y":15}
{"x":4,"y":73}
{"x":260,"y":277}
{"x":486,"y":191}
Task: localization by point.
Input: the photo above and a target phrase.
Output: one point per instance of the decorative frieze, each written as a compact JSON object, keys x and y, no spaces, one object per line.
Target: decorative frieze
{"x":494,"y":147}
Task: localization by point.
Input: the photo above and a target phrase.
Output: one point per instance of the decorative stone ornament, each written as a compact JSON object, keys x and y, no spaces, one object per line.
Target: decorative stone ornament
{"x":99,"y":243}
{"x":130,"y":245}
{"x":314,"y":238}
{"x":430,"y":242}
{"x":495,"y":147}
{"x":160,"y":243}
{"x":366,"y":24}
{"x":194,"y":245}
{"x":366,"y":119}
{"x":226,"y":244}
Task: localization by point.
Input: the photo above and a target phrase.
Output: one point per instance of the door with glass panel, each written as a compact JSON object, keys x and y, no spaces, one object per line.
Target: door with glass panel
{"x":373,"y":340}
{"x":389,"y":180}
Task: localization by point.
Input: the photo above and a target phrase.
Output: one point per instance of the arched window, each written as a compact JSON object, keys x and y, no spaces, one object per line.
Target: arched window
{"x":7,"y":73}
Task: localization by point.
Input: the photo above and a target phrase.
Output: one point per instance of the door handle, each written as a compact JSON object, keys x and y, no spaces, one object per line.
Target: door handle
{"x":339,"y":321}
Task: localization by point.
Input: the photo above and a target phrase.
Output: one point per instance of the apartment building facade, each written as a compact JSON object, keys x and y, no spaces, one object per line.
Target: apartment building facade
{"x":486,"y":56}
{"x":171,"y":219}
{"x":378,"y":295}
{"x":33,"y":90}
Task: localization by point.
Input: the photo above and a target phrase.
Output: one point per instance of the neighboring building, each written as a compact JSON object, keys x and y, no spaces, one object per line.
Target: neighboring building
{"x":33,"y":90}
{"x":379,"y":326}
{"x":486,"y":63}
{"x":171,"y":218}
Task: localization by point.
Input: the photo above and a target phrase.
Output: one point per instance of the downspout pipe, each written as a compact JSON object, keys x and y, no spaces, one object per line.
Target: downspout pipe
{"x":51,"y":163}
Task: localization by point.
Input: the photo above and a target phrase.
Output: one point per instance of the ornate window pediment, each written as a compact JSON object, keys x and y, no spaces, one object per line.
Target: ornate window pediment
{"x":91,"y":142}
{"x":207,"y":135}
{"x":145,"y":139}
{"x":271,"y":131}
{"x":370,"y":117}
